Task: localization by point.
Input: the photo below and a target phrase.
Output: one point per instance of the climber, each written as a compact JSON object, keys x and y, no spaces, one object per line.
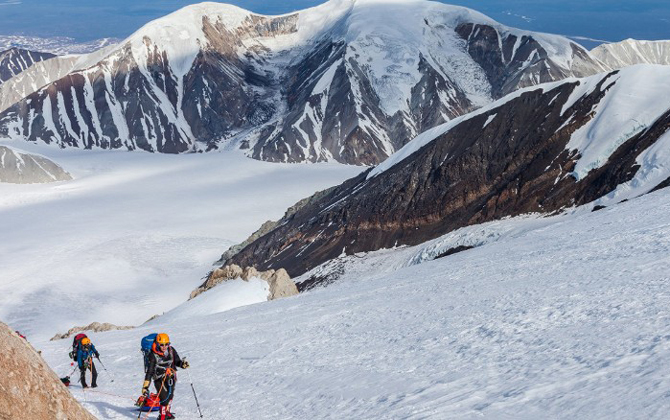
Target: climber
{"x":85,"y":354}
{"x":163,"y":362}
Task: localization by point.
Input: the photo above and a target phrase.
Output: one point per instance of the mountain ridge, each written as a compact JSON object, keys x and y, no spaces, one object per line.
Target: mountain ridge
{"x":275,"y":85}
{"x":525,"y":153}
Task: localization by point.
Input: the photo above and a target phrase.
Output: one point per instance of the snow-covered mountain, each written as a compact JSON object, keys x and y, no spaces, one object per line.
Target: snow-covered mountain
{"x":43,"y":73}
{"x":16,"y":60}
{"x":350,"y":80}
{"x":602,"y":139}
{"x":630,"y":52}
{"x":24,"y":168}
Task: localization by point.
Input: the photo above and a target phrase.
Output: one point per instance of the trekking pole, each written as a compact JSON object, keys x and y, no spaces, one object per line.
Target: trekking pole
{"x":103,"y":366}
{"x":194,"y":394}
{"x":75,"y":368}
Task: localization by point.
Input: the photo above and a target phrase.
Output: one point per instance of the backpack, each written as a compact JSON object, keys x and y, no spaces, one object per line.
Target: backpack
{"x":76,"y":343}
{"x":145,"y":348}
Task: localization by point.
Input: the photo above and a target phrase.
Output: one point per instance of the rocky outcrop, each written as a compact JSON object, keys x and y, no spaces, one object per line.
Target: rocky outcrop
{"x":508,"y":159}
{"x":279,"y":281}
{"x":93,"y":327}
{"x":29,"y":389}
{"x":281,"y":284}
{"x":24,"y":168}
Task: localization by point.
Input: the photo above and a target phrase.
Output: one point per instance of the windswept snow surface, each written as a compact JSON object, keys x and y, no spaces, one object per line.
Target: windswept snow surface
{"x":569,"y":319}
{"x":134,"y":233}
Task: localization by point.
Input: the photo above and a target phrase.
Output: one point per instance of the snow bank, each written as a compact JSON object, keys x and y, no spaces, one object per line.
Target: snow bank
{"x":225,"y":296}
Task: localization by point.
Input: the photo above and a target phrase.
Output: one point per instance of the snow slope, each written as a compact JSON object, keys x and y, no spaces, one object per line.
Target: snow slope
{"x":632,"y":51}
{"x":133,"y":234}
{"x":635,"y":98}
{"x":567,"y":318}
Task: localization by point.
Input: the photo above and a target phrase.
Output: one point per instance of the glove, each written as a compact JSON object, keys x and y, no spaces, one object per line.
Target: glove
{"x":145,"y":388}
{"x":184,"y":364}
{"x":97,"y":356}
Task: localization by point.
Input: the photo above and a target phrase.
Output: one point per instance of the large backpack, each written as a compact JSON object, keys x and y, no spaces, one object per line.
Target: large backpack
{"x":76,"y":343}
{"x":146,"y":344}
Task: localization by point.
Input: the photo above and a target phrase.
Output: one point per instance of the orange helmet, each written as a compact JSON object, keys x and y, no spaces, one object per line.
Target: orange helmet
{"x":85,"y":341}
{"x":162,"y":338}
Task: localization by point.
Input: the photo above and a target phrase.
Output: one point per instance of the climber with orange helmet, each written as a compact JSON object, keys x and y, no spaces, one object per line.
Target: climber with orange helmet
{"x":163,"y":363}
{"x":85,"y":355}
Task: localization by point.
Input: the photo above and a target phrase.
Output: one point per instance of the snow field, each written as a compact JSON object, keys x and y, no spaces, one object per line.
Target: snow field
{"x":134,"y":233}
{"x":569,"y":319}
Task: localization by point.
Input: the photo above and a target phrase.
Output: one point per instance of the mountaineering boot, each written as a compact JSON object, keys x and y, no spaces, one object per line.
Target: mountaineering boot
{"x":94,"y":385}
{"x":168,"y":411}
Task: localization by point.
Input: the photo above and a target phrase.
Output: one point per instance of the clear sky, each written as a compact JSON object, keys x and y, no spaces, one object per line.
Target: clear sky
{"x":610,"y":20}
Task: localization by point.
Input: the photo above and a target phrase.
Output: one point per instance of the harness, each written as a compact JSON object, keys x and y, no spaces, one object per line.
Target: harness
{"x":164,"y":362}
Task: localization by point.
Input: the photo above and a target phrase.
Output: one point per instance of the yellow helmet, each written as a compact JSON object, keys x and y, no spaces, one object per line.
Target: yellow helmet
{"x":162,"y":338}
{"x":85,"y":341}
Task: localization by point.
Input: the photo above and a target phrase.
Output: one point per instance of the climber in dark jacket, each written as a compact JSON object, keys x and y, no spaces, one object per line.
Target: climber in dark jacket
{"x":163,"y":362}
{"x":85,"y":355}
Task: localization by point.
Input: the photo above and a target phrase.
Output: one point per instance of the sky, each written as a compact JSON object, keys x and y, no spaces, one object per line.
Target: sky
{"x":602,"y":20}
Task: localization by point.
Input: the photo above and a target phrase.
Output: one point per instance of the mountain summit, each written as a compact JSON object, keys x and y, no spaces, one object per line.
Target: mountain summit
{"x":349,"y":81}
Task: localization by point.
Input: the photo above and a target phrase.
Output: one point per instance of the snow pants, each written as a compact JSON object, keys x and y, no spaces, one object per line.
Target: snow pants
{"x":94,"y":372}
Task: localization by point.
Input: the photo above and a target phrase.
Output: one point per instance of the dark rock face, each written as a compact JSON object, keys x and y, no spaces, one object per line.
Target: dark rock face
{"x":517,"y":163}
{"x":15,"y":60}
{"x":511,"y":62}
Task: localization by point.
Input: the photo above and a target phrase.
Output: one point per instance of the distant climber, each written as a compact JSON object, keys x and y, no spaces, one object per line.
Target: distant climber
{"x":163,"y":362}
{"x":85,"y":353}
